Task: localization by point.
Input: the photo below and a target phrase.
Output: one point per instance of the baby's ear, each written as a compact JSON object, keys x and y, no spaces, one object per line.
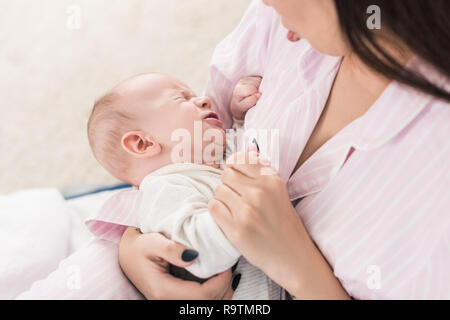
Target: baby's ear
{"x":140,"y":145}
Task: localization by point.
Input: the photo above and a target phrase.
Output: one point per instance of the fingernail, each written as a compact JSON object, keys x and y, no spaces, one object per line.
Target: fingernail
{"x":189,"y":255}
{"x":233,"y":268}
{"x":256,"y":143}
{"x":235,"y":283}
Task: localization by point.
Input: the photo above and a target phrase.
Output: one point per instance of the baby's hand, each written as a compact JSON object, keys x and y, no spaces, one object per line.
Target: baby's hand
{"x":245,"y":95}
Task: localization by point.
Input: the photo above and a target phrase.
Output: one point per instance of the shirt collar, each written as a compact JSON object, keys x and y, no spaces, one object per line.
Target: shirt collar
{"x":395,"y":109}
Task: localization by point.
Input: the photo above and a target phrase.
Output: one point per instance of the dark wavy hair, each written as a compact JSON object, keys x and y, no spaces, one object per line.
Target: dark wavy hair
{"x":422,"y":25}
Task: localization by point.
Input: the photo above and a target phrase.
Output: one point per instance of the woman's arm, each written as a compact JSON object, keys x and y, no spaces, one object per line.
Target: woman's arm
{"x":145,"y":258}
{"x":253,"y":209}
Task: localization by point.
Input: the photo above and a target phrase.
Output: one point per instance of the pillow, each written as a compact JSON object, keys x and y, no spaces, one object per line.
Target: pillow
{"x":34,"y":238}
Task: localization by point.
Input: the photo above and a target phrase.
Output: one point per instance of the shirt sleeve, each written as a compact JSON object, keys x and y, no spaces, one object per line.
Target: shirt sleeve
{"x":242,"y":53}
{"x":180,"y":212}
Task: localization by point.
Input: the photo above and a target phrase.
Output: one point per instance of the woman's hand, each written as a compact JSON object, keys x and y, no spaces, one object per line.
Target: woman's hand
{"x":253,"y":209}
{"x":145,"y":258}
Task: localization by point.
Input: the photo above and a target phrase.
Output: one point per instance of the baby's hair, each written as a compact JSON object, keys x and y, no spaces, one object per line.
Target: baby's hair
{"x":106,"y":126}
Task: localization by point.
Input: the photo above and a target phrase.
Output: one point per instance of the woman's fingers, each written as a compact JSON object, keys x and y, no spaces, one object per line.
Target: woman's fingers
{"x":249,"y":164}
{"x":234,"y":284}
{"x":157,"y":245}
{"x":253,"y":147}
{"x":229,"y":197}
{"x":169,"y":287}
{"x":237,"y":181}
{"x":177,"y":289}
{"x":216,"y":287}
{"x":229,"y":294}
{"x":221,"y":215}
{"x":145,"y":258}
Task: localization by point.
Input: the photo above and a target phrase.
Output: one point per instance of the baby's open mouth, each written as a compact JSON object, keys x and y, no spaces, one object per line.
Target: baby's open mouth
{"x":213,"y":119}
{"x":211,"y":115}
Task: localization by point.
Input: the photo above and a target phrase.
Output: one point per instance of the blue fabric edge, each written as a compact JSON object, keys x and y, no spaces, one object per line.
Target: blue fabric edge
{"x":98,"y":190}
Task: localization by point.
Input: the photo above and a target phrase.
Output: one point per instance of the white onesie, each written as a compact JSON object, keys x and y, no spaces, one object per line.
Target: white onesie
{"x":175,"y":203}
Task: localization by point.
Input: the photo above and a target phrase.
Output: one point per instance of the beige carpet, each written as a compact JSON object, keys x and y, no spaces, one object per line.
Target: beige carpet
{"x":58,"y":56}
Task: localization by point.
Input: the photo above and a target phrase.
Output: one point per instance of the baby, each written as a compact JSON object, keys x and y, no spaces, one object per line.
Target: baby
{"x":135,"y":132}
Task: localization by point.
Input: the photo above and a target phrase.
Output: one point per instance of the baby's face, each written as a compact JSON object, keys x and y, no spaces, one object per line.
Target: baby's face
{"x":170,"y":111}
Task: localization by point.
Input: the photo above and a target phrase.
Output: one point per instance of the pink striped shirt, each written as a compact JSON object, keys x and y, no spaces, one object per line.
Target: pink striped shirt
{"x":375,"y":198}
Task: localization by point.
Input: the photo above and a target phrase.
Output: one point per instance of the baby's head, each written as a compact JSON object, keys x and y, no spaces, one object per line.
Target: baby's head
{"x":136,"y":127}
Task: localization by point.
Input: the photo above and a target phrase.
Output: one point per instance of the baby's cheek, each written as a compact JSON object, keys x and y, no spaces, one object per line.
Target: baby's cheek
{"x":214,"y":142}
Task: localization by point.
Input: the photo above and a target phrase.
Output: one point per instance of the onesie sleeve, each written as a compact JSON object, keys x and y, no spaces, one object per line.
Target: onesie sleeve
{"x":180,"y":212}
{"x":242,"y":53}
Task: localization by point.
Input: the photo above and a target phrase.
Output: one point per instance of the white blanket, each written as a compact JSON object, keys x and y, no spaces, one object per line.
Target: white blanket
{"x":38,"y":229}
{"x":30,"y":221}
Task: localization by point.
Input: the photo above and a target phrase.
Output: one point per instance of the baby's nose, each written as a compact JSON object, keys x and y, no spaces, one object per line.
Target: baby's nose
{"x":203,"y":102}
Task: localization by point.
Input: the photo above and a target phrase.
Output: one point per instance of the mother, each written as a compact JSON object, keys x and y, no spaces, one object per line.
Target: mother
{"x":361,"y":204}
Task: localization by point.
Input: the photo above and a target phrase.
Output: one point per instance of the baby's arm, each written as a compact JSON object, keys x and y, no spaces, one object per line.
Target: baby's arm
{"x":245,"y":96}
{"x":180,"y":212}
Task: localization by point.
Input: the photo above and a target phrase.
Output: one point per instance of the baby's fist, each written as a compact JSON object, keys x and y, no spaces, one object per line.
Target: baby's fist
{"x":245,"y":95}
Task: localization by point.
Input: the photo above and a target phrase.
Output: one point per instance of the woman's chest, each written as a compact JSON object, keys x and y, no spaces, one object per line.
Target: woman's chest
{"x":291,"y":103}
{"x":376,"y":221}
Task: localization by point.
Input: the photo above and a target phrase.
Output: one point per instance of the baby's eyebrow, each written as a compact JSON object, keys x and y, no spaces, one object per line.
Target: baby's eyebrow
{"x":190,"y":92}
{"x":187,"y":92}
{"x":176,"y":92}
